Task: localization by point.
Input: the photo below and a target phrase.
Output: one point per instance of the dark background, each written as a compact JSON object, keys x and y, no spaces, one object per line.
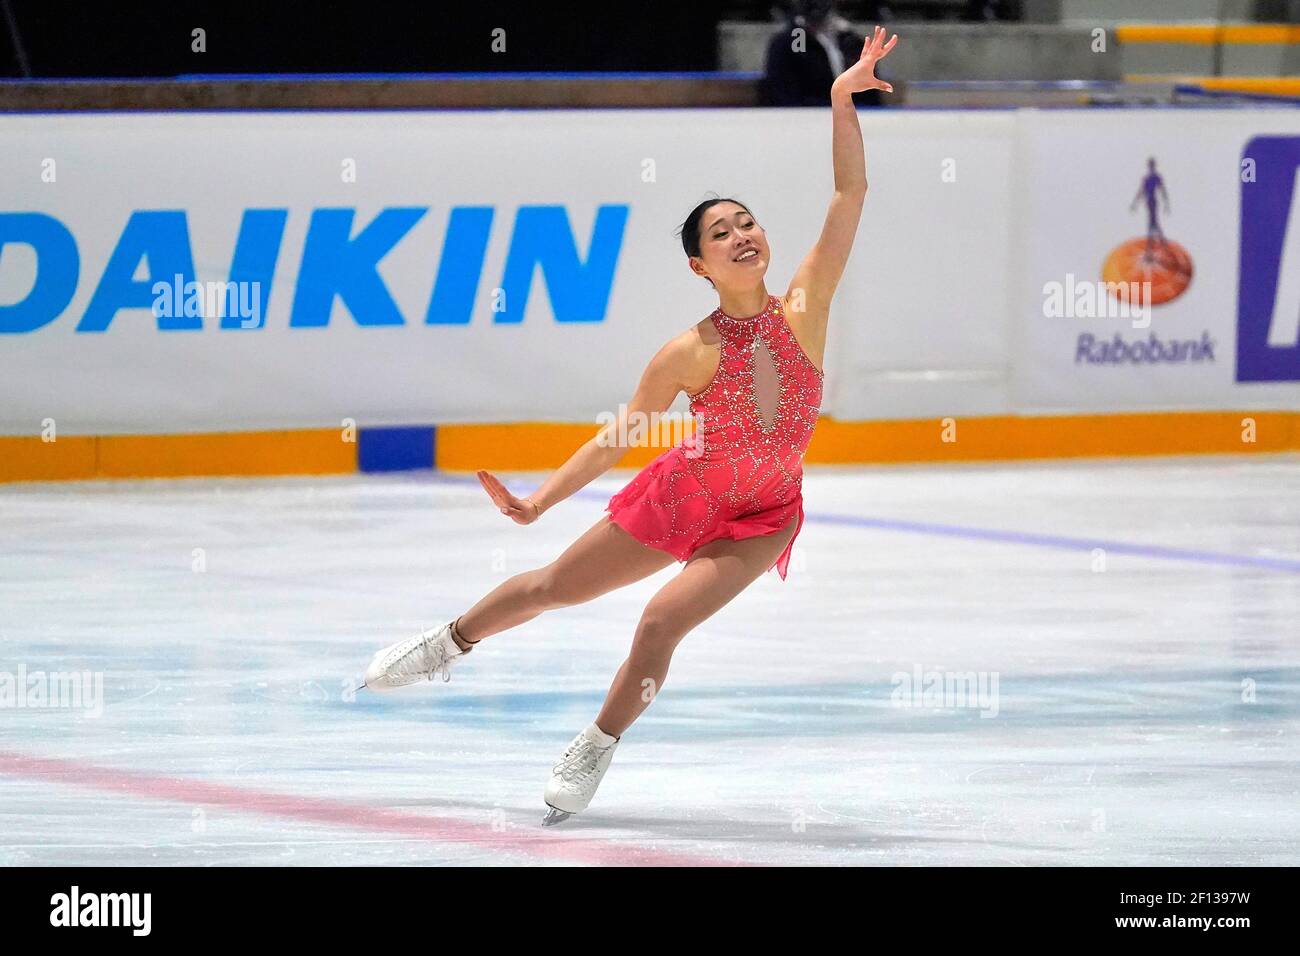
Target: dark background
{"x":82,"y":39}
{"x":152,"y":38}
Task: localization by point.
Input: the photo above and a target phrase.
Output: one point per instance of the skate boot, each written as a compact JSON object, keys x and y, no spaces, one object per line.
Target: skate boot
{"x":414,"y":659}
{"x":577,"y":775}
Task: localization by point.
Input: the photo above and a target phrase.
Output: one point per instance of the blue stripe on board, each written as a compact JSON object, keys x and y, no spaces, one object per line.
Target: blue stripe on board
{"x":395,"y":449}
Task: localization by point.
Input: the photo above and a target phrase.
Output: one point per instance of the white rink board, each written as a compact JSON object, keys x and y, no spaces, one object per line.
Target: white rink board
{"x":930,"y":318}
{"x":1080,"y":174}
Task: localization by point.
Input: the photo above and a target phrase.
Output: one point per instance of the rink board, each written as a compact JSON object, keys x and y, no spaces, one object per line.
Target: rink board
{"x":430,"y":279}
{"x":534,"y":446}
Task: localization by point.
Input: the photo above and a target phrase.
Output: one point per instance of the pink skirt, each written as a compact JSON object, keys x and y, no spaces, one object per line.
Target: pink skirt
{"x":666,"y":507}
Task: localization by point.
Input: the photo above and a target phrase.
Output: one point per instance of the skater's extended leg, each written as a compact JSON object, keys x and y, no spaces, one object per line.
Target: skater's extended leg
{"x":714,"y":575}
{"x":604,"y":558}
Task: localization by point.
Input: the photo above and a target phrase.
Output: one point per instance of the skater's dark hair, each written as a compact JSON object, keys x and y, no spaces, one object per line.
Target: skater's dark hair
{"x":690,"y":230}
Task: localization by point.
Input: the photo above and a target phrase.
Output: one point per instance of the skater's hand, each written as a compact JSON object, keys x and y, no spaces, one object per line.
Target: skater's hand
{"x":519,"y":510}
{"x":862,"y":75}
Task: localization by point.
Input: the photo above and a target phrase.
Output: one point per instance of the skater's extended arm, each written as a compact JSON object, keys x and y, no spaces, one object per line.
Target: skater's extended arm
{"x":815,"y":280}
{"x":662,"y":380}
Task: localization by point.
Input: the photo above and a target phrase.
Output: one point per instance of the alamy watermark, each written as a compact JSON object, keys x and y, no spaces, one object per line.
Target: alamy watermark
{"x":946,"y":690}
{"x":624,"y":429}
{"x":52,"y":690}
{"x":130,"y":910}
{"x":1075,"y":299}
{"x":209,"y":300}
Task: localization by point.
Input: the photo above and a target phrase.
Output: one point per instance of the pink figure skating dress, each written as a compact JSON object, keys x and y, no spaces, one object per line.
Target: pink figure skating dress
{"x":741,"y":473}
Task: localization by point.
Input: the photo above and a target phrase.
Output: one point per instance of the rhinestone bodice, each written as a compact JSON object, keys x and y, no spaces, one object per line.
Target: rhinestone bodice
{"x":740,"y":474}
{"x":755,"y":419}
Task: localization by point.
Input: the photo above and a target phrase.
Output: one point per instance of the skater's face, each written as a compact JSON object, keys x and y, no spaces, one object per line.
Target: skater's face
{"x":733,"y":247}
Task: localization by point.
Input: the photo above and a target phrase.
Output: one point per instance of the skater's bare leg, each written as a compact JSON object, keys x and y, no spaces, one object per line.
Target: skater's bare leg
{"x":714,"y":575}
{"x":604,"y":558}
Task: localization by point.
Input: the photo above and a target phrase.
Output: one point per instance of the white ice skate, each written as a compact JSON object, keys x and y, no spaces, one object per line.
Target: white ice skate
{"x":577,"y":775}
{"x":415,"y":659}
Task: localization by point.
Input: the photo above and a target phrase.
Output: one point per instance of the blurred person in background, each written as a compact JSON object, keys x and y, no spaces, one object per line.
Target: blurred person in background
{"x":814,"y":46}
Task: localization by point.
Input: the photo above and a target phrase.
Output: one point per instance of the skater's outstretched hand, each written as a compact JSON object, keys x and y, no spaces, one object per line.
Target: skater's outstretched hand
{"x":861,"y":76}
{"x":519,"y":510}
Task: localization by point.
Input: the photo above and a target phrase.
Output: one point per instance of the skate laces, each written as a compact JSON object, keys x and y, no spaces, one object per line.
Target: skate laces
{"x":437,"y":656}
{"x":426,"y":656}
{"x":579,"y":761}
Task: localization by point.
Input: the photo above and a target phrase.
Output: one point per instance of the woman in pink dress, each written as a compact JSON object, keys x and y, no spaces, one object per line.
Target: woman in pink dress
{"x":727,"y":501}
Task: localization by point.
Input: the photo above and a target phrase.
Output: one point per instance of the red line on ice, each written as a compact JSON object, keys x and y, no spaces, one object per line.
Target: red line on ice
{"x":340,"y":813}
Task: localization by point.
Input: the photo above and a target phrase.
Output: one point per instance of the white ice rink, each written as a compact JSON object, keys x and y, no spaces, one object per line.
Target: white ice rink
{"x":1134,"y":623}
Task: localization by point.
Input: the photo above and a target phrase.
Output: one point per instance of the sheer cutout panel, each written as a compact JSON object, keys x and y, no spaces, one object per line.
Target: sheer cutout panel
{"x":767,"y":384}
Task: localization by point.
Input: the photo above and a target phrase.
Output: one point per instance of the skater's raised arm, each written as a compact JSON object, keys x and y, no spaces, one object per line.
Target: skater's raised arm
{"x":662,"y":379}
{"x":815,"y":280}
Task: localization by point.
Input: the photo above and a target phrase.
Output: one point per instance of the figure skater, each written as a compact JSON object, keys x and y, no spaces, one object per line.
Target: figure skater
{"x":727,"y":501}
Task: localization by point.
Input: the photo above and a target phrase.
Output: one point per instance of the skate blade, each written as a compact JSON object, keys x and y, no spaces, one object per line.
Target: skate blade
{"x":554,"y":816}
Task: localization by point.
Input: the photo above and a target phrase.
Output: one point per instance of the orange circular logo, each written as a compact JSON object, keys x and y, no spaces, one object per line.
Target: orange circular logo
{"x":1163,"y":263}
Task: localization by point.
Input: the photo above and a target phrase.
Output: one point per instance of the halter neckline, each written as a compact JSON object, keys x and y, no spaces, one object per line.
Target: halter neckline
{"x":773,"y":303}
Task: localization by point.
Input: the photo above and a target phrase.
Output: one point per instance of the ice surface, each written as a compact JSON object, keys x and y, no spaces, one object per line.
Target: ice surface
{"x":1140,"y":619}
